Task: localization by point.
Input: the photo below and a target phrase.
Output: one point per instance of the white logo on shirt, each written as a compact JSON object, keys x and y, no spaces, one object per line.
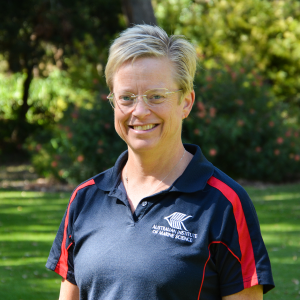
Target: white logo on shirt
{"x":177,"y":230}
{"x":176,"y":220}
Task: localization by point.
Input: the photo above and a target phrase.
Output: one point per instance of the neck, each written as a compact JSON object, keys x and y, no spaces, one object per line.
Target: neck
{"x":152,"y":165}
{"x":150,"y":173}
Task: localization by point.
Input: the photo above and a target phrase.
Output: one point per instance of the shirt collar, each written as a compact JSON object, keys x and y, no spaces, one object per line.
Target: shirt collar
{"x":196,"y":174}
{"x":109,"y":179}
{"x":193,"y":179}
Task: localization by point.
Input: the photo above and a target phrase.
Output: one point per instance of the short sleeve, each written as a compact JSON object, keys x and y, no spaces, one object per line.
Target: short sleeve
{"x":60,"y":259}
{"x":238,"y":250}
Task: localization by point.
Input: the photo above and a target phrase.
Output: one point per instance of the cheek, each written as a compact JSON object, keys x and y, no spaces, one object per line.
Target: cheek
{"x":173,"y":119}
{"x":118,"y":127}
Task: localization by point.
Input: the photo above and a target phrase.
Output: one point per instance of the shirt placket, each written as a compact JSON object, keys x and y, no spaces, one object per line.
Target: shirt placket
{"x":144,"y":205}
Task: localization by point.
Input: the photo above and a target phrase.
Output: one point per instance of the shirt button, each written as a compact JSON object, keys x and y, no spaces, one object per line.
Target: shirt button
{"x":144,"y":203}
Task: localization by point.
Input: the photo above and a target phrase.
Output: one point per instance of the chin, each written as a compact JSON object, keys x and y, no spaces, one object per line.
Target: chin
{"x":142,"y":145}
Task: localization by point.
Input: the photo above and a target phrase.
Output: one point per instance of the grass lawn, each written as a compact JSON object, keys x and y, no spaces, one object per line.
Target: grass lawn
{"x":29,"y":221}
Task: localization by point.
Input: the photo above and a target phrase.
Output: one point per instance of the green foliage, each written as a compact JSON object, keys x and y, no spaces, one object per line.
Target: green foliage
{"x":82,"y":140}
{"x":249,"y":132}
{"x":35,"y":37}
{"x":83,"y":144}
{"x":49,"y":97}
{"x":239,"y":129}
{"x":263,"y":33}
{"x":27,"y":28}
{"x":10,"y":94}
{"x":234,"y":120}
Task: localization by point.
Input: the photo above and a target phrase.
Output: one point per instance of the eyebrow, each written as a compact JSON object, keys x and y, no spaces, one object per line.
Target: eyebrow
{"x":128,"y":91}
{"x":125,"y":91}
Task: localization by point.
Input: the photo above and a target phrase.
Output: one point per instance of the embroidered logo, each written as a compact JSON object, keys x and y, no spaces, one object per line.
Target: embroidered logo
{"x":176,"y":220}
{"x":177,"y":229}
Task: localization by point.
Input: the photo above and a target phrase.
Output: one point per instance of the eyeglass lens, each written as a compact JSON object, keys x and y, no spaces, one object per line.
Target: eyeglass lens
{"x":150,"y":97}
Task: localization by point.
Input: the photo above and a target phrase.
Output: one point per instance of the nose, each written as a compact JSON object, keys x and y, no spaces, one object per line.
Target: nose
{"x":140,"y":109}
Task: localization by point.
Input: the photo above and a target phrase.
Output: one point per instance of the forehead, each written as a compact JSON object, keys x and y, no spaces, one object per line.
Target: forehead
{"x":144,"y":74}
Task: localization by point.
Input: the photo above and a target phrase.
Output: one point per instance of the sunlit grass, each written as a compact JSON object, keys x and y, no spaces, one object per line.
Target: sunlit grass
{"x":281,"y":197}
{"x":28,"y":225}
{"x":278,"y":210}
{"x":29,"y":221}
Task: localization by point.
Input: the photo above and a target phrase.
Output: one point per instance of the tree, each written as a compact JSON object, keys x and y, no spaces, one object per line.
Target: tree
{"x":138,"y":12}
{"x":27,"y":28}
{"x":263,"y":34}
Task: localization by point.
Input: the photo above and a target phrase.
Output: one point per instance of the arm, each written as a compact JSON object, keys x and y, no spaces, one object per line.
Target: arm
{"x":253,"y":293}
{"x":68,"y":291}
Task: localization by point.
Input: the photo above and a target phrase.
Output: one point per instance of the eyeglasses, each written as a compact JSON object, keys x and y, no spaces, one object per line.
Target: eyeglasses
{"x":151,"y":98}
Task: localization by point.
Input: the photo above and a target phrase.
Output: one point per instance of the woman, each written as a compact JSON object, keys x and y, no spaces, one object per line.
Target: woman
{"x":163,"y":223}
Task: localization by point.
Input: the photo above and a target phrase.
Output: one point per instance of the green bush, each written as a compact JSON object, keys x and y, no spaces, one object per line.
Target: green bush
{"x":49,"y":97}
{"x":82,"y":144}
{"x":234,"y":120}
{"x":240,"y":129}
{"x":265,"y":33}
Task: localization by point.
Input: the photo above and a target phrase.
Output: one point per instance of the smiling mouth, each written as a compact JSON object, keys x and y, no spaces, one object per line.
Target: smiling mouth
{"x":144,"y":127}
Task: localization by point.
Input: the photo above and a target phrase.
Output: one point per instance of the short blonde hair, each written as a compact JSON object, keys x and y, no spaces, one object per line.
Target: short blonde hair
{"x":152,"y":41}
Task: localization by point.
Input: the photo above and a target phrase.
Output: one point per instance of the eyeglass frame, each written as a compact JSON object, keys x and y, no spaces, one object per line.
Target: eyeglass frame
{"x":144,"y":97}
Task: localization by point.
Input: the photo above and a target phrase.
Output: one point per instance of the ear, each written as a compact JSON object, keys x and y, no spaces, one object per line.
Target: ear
{"x":188,"y":101}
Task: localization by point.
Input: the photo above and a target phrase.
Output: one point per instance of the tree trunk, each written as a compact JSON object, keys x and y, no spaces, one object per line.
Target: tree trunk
{"x":25,"y":107}
{"x":138,"y":12}
{"x":22,"y":129}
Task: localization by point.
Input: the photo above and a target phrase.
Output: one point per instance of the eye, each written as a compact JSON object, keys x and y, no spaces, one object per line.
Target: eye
{"x":126,"y":97}
{"x":156,"y":96}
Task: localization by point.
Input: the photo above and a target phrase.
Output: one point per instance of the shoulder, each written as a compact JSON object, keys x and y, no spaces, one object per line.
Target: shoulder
{"x":228,"y":193}
{"x":226,"y":185}
{"x":102,"y":179}
{"x":90,"y":188}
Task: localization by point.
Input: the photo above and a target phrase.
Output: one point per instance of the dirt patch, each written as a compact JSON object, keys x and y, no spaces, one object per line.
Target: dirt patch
{"x":23,"y":177}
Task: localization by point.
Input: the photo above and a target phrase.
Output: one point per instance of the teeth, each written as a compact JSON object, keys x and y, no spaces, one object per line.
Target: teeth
{"x":145,"y":127}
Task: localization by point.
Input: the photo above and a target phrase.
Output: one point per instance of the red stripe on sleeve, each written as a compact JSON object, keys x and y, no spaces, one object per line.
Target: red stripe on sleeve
{"x":247,"y":260}
{"x":62,"y":264}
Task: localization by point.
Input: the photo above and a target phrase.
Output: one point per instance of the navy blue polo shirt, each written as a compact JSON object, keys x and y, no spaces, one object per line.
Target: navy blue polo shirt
{"x":198,"y":239}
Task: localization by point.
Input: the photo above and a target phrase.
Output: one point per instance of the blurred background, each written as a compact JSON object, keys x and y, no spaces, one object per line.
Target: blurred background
{"x":56,"y":125}
{"x":53,"y":107}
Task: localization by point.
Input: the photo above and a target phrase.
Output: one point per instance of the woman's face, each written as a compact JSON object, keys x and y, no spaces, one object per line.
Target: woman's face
{"x":143,"y":127}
